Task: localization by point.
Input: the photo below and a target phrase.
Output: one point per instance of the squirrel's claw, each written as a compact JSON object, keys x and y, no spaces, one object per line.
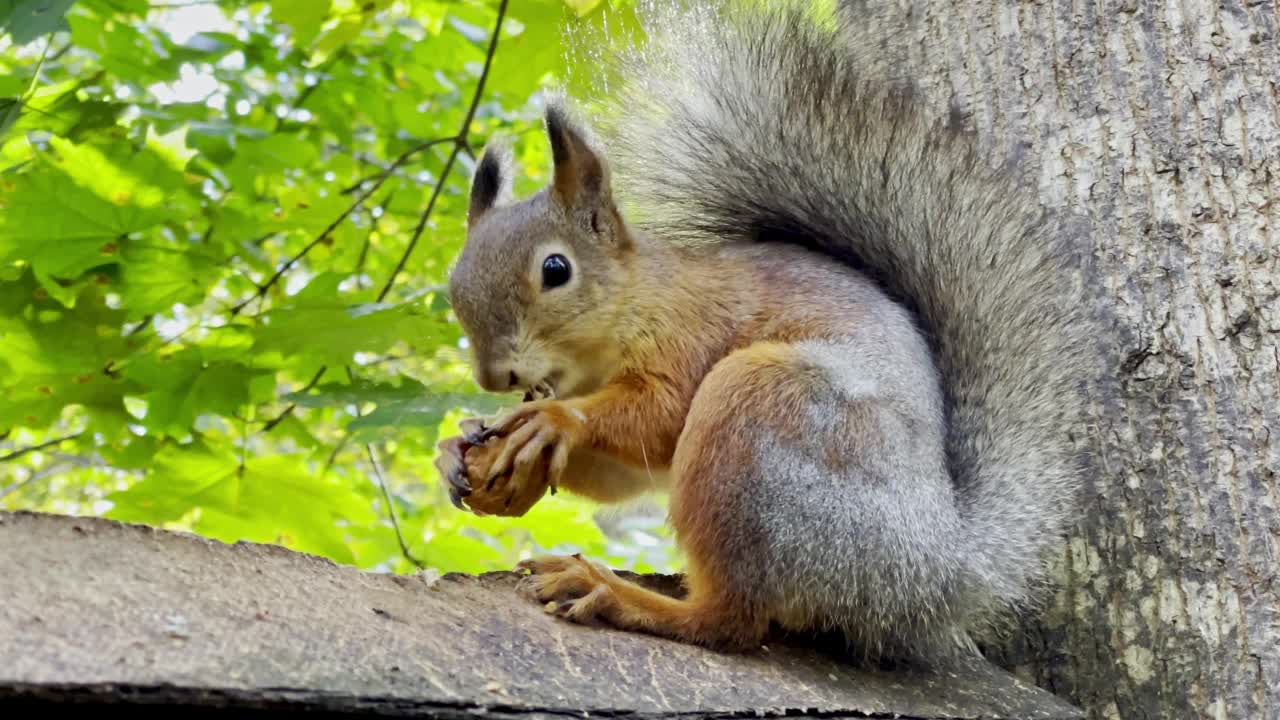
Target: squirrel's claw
{"x":456,"y":499}
{"x":480,"y":436}
{"x":451,"y":465}
{"x":479,"y":433}
{"x":458,"y":480}
{"x":569,"y":587}
{"x":474,"y":431}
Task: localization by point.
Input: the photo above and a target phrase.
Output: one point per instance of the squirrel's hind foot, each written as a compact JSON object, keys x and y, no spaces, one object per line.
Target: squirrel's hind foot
{"x":571,"y":587}
{"x":588,"y":593}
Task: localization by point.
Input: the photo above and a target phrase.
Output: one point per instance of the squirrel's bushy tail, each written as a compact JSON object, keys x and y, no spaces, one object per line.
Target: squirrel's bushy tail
{"x":764,"y":126}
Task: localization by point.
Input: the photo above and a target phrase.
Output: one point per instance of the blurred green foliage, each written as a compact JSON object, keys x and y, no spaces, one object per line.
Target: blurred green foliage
{"x":203,"y":206}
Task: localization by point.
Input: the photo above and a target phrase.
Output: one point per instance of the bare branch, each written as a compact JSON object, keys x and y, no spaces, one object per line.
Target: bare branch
{"x":384,"y":172}
{"x":460,"y":144}
{"x":391,"y":509}
{"x":422,"y":223}
{"x":271,"y":424}
{"x":35,"y":448}
{"x":358,"y":271}
{"x":34,"y":478}
{"x":377,"y":183}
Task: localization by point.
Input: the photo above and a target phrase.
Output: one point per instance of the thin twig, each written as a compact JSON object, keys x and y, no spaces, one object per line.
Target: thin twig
{"x":307,"y":91}
{"x":422,"y":223}
{"x":484,"y":75}
{"x":333,"y":455}
{"x":35,"y":477}
{"x":381,"y":178}
{"x":388,"y":358}
{"x":391,"y":510}
{"x":35,"y":448}
{"x":273,"y":422}
{"x":244,"y":447}
{"x":62,"y":51}
{"x":382,"y":483}
{"x":143,"y":324}
{"x":262,"y":239}
{"x":382,"y":174}
{"x":459,"y":145}
{"x":346,"y":434}
{"x":266,"y":287}
{"x":358,"y":271}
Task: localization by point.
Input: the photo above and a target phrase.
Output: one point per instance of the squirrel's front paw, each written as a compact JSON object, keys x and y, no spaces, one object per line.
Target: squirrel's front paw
{"x":527,"y":436}
{"x":511,"y":492}
{"x":467,"y":465}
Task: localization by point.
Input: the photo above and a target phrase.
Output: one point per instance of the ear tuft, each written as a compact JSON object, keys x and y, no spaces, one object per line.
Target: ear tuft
{"x":581,"y":173}
{"x":491,"y":185}
{"x":558,"y":132}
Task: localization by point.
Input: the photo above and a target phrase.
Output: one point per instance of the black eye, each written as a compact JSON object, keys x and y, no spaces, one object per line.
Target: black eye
{"x":555,"y":271}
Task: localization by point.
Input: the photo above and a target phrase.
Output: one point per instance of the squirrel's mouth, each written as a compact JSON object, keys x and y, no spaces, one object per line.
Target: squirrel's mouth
{"x":544,"y":389}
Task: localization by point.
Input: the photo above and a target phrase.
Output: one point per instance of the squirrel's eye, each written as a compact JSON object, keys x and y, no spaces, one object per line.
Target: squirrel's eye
{"x":555,"y":271}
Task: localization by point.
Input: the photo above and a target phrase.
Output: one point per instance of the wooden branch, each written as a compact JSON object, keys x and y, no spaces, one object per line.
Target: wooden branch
{"x":98,"y":612}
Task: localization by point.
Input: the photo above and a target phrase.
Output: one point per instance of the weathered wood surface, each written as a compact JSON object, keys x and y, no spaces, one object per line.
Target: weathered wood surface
{"x":93,"y":610}
{"x":1158,"y":123}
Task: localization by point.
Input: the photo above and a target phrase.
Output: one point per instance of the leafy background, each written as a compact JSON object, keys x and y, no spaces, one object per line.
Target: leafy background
{"x":224,"y":233}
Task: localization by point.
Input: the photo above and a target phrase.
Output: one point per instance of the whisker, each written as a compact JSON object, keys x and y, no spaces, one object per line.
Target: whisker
{"x":645,"y":456}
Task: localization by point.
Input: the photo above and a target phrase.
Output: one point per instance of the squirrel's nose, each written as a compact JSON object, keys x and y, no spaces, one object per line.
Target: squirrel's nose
{"x":496,"y":379}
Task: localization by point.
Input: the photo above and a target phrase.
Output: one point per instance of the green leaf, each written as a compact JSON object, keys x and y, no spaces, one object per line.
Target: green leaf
{"x":527,"y":57}
{"x":320,"y":326}
{"x":333,"y":395}
{"x":182,"y":479}
{"x":258,"y":160}
{"x":304,"y":16}
{"x":582,"y":7}
{"x":26,"y":20}
{"x":331,"y":40}
{"x":125,"y":49}
{"x":184,"y":386}
{"x":459,"y":553}
{"x":157,"y":277}
{"x":233,"y":502}
{"x":136,"y":453}
{"x":10,"y":111}
{"x":406,"y":404}
{"x":426,"y":411}
{"x":56,"y":358}
{"x":74,"y":211}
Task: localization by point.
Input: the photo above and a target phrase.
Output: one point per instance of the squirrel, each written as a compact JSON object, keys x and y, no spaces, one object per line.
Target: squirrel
{"x":849,"y":350}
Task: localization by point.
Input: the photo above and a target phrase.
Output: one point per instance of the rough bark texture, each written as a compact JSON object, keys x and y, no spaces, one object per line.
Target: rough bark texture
{"x":100,"y":612}
{"x":1159,"y":125}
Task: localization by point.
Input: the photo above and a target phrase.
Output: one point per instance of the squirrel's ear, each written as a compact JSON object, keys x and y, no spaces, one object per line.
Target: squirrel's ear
{"x":581,"y":174}
{"x":491,"y":185}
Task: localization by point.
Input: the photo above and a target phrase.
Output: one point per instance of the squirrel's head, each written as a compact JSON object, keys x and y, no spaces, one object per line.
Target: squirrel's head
{"x":538,"y":286}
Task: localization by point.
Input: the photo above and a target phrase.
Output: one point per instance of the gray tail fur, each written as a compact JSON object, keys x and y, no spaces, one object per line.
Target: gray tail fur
{"x":766,"y":126}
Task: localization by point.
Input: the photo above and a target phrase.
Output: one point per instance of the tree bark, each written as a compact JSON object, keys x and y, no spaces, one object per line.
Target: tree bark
{"x":1159,"y":125}
{"x":102,"y":613}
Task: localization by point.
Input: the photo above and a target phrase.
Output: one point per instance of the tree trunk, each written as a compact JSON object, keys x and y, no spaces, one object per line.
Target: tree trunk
{"x":1159,"y":125}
